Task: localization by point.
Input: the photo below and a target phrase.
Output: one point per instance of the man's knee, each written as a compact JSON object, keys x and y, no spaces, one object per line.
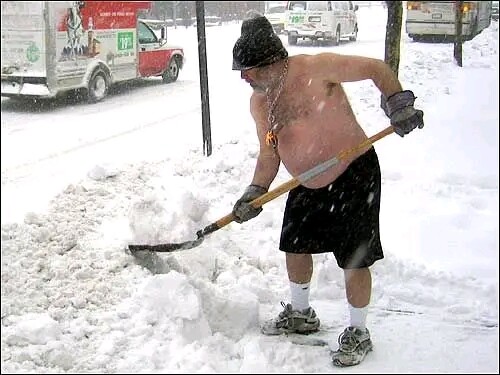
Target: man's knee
{"x":298,"y":258}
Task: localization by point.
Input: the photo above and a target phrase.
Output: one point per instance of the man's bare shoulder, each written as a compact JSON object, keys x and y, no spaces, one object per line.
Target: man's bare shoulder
{"x":258,"y":98}
{"x":258,"y":105}
{"x":308,"y":59}
{"x":316,"y":64}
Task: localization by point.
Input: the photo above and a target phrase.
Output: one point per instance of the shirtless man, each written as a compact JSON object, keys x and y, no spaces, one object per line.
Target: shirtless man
{"x":303,"y":118}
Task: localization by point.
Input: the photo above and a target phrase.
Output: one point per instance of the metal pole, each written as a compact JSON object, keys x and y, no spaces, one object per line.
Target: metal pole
{"x":457,"y":46}
{"x":205,"y":105}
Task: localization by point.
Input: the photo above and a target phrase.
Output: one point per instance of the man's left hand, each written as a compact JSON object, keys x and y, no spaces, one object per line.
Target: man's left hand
{"x":404,"y":117}
{"x":407,"y":119}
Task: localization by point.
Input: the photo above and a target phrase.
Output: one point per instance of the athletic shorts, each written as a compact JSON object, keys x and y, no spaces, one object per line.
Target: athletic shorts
{"x":342,"y":217}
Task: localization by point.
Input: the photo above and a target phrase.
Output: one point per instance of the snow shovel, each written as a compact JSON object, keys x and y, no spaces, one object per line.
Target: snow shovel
{"x":267,"y":197}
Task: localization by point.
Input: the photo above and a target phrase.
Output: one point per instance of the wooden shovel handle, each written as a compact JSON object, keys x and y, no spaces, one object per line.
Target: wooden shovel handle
{"x":294,"y":182}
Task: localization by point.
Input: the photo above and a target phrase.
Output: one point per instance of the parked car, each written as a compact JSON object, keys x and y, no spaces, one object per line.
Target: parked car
{"x":209,"y":21}
{"x":494,"y":10}
{"x":276,"y":16}
{"x":326,"y":20}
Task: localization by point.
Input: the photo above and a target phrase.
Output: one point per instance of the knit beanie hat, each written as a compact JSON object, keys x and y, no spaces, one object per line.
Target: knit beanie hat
{"x":258,"y":44}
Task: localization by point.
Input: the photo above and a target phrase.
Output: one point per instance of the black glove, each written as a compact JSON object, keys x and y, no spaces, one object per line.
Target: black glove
{"x":399,"y":108}
{"x":243,"y":210}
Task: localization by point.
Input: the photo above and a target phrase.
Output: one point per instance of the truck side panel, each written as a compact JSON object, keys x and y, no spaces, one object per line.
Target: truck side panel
{"x":24,"y":52}
{"x":98,"y":31}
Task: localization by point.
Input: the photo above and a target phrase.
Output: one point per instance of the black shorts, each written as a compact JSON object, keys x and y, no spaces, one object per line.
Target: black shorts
{"x":342,"y":217}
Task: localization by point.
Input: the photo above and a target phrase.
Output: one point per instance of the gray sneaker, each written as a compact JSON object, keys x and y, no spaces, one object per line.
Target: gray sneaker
{"x":354,"y":343}
{"x":292,"y":321}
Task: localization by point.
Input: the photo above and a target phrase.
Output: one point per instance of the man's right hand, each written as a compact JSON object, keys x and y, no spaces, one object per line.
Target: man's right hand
{"x":243,"y":210}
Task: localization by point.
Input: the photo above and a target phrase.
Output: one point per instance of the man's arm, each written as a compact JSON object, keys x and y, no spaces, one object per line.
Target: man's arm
{"x":266,"y":168}
{"x":349,"y":68}
{"x":268,"y":161}
{"x":397,"y":104}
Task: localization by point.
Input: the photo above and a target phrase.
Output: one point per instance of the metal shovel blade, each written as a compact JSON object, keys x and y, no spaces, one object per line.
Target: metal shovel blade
{"x":168,"y":247}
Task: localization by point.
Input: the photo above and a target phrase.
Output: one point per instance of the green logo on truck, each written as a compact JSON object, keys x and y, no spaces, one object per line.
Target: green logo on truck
{"x":32,"y":52}
{"x":297,"y":18}
{"x":125,"y":40}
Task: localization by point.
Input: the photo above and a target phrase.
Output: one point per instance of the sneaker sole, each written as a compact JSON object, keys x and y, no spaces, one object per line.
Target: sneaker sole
{"x":368,"y":347}
{"x":284,"y":331}
{"x":306,"y":328}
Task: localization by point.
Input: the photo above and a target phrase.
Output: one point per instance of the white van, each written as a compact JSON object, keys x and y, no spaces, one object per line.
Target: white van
{"x":275,"y":13}
{"x":327,"y":20}
{"x":436,"y":19}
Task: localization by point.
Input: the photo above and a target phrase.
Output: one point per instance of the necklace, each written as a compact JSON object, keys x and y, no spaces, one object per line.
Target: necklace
{"x":274,"y":126}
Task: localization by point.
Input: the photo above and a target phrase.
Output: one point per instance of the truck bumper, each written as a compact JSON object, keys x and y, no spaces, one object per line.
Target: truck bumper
{"x":431,"y":28}
{"x":311,"y":34}
{"x":13,"y":88}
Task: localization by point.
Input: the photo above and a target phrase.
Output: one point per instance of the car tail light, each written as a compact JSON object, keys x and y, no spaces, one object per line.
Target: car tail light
{"x":467,"y":7}
{"x":413,"y":5}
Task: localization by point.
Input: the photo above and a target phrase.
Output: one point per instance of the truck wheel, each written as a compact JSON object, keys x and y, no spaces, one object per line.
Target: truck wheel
{"x":172,"y":72}
{"x":98,"y":86}
{"x":355,"y":36}
{"x":336,"y":39}
{"x":292,"y":40}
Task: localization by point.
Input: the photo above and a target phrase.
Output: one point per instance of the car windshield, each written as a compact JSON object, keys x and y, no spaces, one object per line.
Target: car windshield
{"x":317,"y":5}
{"x":274,"y":10}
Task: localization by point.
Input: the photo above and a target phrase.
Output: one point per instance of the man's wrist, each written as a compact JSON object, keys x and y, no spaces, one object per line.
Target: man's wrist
{"x":256,"y":188}
{"x":399,"y":100}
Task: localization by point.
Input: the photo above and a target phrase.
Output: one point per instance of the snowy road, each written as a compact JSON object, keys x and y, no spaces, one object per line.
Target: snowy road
{"x":58,"y":136}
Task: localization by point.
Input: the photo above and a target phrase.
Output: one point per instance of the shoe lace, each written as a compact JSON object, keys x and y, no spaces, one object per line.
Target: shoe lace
{"x":284,"y":316}
{"x":287,"y":309}
{"x":348,"y":341}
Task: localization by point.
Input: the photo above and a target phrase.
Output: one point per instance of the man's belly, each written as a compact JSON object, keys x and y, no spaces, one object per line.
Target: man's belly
{"x":302,"y":147}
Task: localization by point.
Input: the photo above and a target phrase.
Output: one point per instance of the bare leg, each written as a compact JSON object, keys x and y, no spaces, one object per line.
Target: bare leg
{"x":298,"y":316}
{"x":358,"y":286}
{"x":355,"y":341}
{"x":299,"y":267}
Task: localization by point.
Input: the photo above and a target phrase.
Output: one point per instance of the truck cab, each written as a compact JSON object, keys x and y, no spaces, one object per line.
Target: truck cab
{"x":154,"y":53}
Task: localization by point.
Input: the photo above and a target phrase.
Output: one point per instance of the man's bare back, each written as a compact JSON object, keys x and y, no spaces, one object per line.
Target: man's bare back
{"x":317,"y":122}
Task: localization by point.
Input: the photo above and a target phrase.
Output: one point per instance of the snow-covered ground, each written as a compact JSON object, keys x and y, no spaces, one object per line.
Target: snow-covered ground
{"x":79,"y":182}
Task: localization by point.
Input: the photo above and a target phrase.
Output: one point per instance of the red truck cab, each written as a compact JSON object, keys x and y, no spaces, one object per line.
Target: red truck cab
{"x":156,"y":57}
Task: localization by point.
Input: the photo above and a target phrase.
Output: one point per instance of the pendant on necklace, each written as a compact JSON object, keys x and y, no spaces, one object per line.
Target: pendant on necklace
{"x":271,"y":139}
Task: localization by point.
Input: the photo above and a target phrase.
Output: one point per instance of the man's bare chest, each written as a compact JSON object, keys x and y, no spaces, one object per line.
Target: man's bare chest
{"x":303,"y":104}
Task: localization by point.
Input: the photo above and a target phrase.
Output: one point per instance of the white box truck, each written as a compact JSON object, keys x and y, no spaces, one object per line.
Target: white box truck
{"x":49,"y":47}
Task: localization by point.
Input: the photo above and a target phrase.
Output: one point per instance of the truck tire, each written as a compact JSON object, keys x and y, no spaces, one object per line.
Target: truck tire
{"x":336,"y":38}
{"x":98,"y":86}
{"x":355,"y":34}
{"x":172,"y":72}
{"x":292,"y":40}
